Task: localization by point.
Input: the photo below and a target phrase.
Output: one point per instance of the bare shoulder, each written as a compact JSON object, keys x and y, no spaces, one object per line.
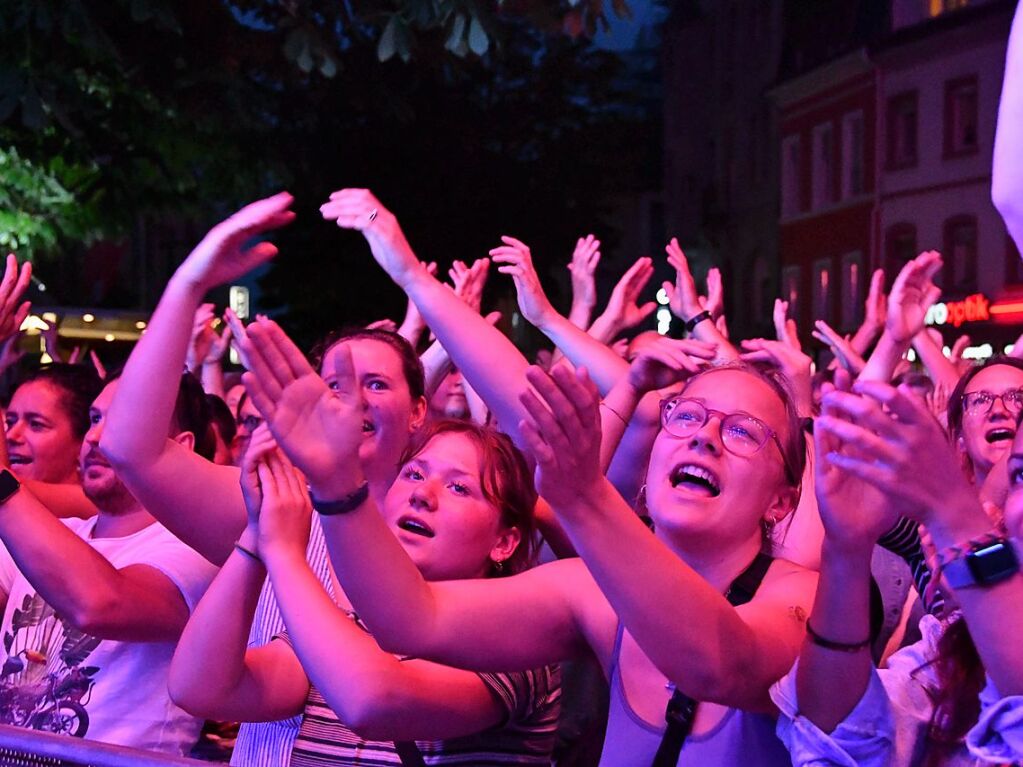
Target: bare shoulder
{"x":785,"y":598}
{"x":595,"y":619}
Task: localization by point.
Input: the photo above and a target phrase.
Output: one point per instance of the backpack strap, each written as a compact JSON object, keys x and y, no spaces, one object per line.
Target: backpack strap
{"x":681,"y":711}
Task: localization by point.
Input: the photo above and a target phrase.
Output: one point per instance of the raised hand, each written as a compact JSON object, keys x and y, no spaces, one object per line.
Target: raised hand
{"x":793,"y":364}
{"x":876,"y":305}
{"x":515,"y":259}
{"x":285,"y":510}
{"x":358,"y":209}
{"x":883,"y":433}
{"x":563,"y":434}
{"x":715,"y":300}
{"x":319,"y":430}
{"x":785,"y":329}
{"x":854,"y":512}
{"x":469,"y":281}
{"x":847,"y":357}
{"x":684,"y":300}
{"x":912,"y":295}
{"x":582,"y":267}
{"x":260,"y":444}
{"x":13,"y":310}
{"x":664,"y":361}
{"x":956,"y":357}
{"x":207,"y":345}
{"x":225,"y":253}
{"x":623,"y":307}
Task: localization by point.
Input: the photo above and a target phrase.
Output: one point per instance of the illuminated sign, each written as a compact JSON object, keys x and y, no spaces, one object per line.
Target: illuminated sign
{"x":975,"y":308}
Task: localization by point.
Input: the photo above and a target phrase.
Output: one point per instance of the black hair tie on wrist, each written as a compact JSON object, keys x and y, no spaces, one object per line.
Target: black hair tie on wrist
{"x":694,"y":321}
{"x":829,"y":644}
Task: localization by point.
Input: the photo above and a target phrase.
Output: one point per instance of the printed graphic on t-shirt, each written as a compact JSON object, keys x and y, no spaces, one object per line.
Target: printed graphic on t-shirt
{"x":43,"y":684}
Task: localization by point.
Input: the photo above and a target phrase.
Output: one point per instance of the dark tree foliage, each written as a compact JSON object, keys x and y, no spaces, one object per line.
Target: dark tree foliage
{"x":142,"y":110}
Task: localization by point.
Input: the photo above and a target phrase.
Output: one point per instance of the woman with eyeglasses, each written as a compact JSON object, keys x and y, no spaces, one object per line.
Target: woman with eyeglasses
{"x":693,"y":607}
{"x":982,"y":413}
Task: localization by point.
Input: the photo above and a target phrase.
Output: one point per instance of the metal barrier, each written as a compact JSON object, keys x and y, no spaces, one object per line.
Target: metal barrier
{"x":30,"y":748}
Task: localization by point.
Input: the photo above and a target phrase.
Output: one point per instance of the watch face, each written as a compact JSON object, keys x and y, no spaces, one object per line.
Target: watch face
{"x":993,"y":563}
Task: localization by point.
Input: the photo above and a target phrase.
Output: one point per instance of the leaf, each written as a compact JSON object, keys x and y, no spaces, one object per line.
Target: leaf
{"x":386,"y":48}
{"x":479,"y":43}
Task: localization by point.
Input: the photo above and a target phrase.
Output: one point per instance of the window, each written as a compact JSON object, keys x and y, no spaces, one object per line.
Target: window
{"x":902,"y":119}
{"x":852,"y":155}
{"x":822,"y":290}
{"x":823,"y":179}
{"x":790,"y":167}
{"x":900,"y":248}
{"x":790,"y":289}
{"x":961,"y":254}
{"x":852,"y":290}
{"x":961,"y":116}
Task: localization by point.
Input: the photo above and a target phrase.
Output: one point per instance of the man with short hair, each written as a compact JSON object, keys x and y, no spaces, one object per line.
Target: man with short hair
{"x":94,"y":608}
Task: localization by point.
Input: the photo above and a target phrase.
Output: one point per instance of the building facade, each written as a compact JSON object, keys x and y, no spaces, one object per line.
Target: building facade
{"x":885,"y":152}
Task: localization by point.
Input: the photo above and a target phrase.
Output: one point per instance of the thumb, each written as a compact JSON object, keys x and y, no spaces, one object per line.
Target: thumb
{"x":344,"y":370}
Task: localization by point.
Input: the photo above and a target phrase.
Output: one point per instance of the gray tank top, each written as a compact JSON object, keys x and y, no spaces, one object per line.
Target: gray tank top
{"x":740,"y":739}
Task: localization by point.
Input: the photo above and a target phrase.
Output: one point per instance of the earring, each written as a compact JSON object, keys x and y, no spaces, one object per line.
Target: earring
{"x":769,"y":523}
{"x":498,"y":566}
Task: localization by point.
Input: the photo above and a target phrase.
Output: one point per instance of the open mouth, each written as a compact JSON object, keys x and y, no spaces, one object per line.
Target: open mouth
{"x":696,"y":479}
{"x":1000,"y":435}
{"x":415,"y":526}
{"x":19,"y":460}
{"x":368,"y":428}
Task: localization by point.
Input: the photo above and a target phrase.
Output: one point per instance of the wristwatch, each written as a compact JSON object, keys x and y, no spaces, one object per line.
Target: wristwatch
{"x":9,"y":485}
{"x":984,"y":564}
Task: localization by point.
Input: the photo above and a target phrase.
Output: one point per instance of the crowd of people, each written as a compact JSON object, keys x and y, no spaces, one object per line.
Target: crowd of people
{"x":758,"y":563}
{"x":412,"y":546}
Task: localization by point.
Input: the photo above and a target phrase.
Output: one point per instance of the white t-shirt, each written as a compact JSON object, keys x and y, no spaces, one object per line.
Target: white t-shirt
{"x":56,"y":678}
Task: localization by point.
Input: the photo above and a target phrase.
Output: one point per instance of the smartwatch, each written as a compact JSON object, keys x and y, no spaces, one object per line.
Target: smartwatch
{"x":9,"y":485}
{"x":985,"y":564}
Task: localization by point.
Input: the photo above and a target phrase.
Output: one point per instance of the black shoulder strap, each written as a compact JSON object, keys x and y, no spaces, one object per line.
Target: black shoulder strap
{"x":681,"y":711}
{"x":409,"y":754}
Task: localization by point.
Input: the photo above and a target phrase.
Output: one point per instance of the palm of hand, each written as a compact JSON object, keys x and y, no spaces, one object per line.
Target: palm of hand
{"x":853,"y":510}
{"x":317,"y":430}
{"x":907,"y":312}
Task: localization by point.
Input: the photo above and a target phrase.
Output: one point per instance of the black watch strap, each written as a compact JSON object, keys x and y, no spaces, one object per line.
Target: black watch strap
{"x":692,"y":322}
{"x":344,"y":505}
{"x":9,"y":485}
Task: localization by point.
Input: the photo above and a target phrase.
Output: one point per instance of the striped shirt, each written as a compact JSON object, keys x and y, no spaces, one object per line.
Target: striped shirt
{"x":268,"y":744}
{"x":531,"y":701}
